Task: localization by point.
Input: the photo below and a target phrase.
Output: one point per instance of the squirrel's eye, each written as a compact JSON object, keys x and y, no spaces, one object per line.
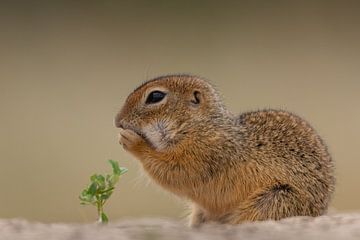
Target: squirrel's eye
{"x":154,"y":97}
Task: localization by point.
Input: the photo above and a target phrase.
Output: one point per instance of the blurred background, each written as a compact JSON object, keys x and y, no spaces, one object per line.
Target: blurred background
{"x":66,"y":68}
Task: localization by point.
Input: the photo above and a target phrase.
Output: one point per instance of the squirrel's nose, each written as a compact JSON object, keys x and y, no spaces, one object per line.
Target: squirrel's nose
{"x":117,"y":121}
{"x":118,"y":125}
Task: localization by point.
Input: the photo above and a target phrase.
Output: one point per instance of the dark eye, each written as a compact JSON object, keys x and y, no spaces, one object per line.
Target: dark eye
{"x":154,"y":97}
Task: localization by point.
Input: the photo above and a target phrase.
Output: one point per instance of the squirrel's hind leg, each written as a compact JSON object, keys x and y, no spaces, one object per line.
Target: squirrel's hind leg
{"x":275,"y":202}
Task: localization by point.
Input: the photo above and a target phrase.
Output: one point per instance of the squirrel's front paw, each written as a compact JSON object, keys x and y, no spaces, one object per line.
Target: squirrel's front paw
{"x":130,"y":140}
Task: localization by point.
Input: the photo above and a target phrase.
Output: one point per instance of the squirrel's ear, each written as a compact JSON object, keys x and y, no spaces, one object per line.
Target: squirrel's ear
{"x":196,"y":98}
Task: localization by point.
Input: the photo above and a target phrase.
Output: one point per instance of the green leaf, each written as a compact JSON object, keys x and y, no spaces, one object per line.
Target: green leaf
{"x":115,"y":167}
{"x":87,"y":198}
{"x":105,"y":196}
{"x":113,"y":180}
{"x":84,"y":192}
{"x":107,"y":190}
{"x":93,"y":178}
{"x":100,"y":180}
{"x":82,"y":196}
{"x":82,"y":199}
{"x":107,"y":178}
{"x":104,"y":218}
{"x":123,"y":170}
{"x":92,"y":189}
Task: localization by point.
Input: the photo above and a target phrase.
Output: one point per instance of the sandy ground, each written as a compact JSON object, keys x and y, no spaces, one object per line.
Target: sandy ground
{"x":339,"y":226}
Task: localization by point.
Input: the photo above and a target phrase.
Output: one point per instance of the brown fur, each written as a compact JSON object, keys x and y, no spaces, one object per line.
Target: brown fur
{"x":260,"y":165}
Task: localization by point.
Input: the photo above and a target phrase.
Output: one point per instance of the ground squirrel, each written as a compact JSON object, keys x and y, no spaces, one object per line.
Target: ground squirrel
{"x":259,"y":165}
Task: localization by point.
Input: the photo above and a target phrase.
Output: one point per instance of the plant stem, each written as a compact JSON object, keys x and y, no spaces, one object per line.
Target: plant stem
{"x":100,"y":210}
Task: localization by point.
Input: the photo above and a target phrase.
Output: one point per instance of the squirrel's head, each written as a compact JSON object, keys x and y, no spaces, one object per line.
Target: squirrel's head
{"x":166,"y":109}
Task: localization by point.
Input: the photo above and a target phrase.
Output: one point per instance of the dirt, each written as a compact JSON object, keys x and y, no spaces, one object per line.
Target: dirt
{"x":339,"y":226}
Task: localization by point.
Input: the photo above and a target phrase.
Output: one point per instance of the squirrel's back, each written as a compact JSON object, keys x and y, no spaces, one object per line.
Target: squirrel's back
{"x":290,"y":151}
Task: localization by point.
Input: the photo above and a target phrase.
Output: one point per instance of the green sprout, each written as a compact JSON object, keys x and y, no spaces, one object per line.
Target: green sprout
{"x":100,"y":189}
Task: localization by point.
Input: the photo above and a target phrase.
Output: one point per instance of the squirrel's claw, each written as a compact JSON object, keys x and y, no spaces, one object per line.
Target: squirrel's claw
{"x":129,"y":139}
